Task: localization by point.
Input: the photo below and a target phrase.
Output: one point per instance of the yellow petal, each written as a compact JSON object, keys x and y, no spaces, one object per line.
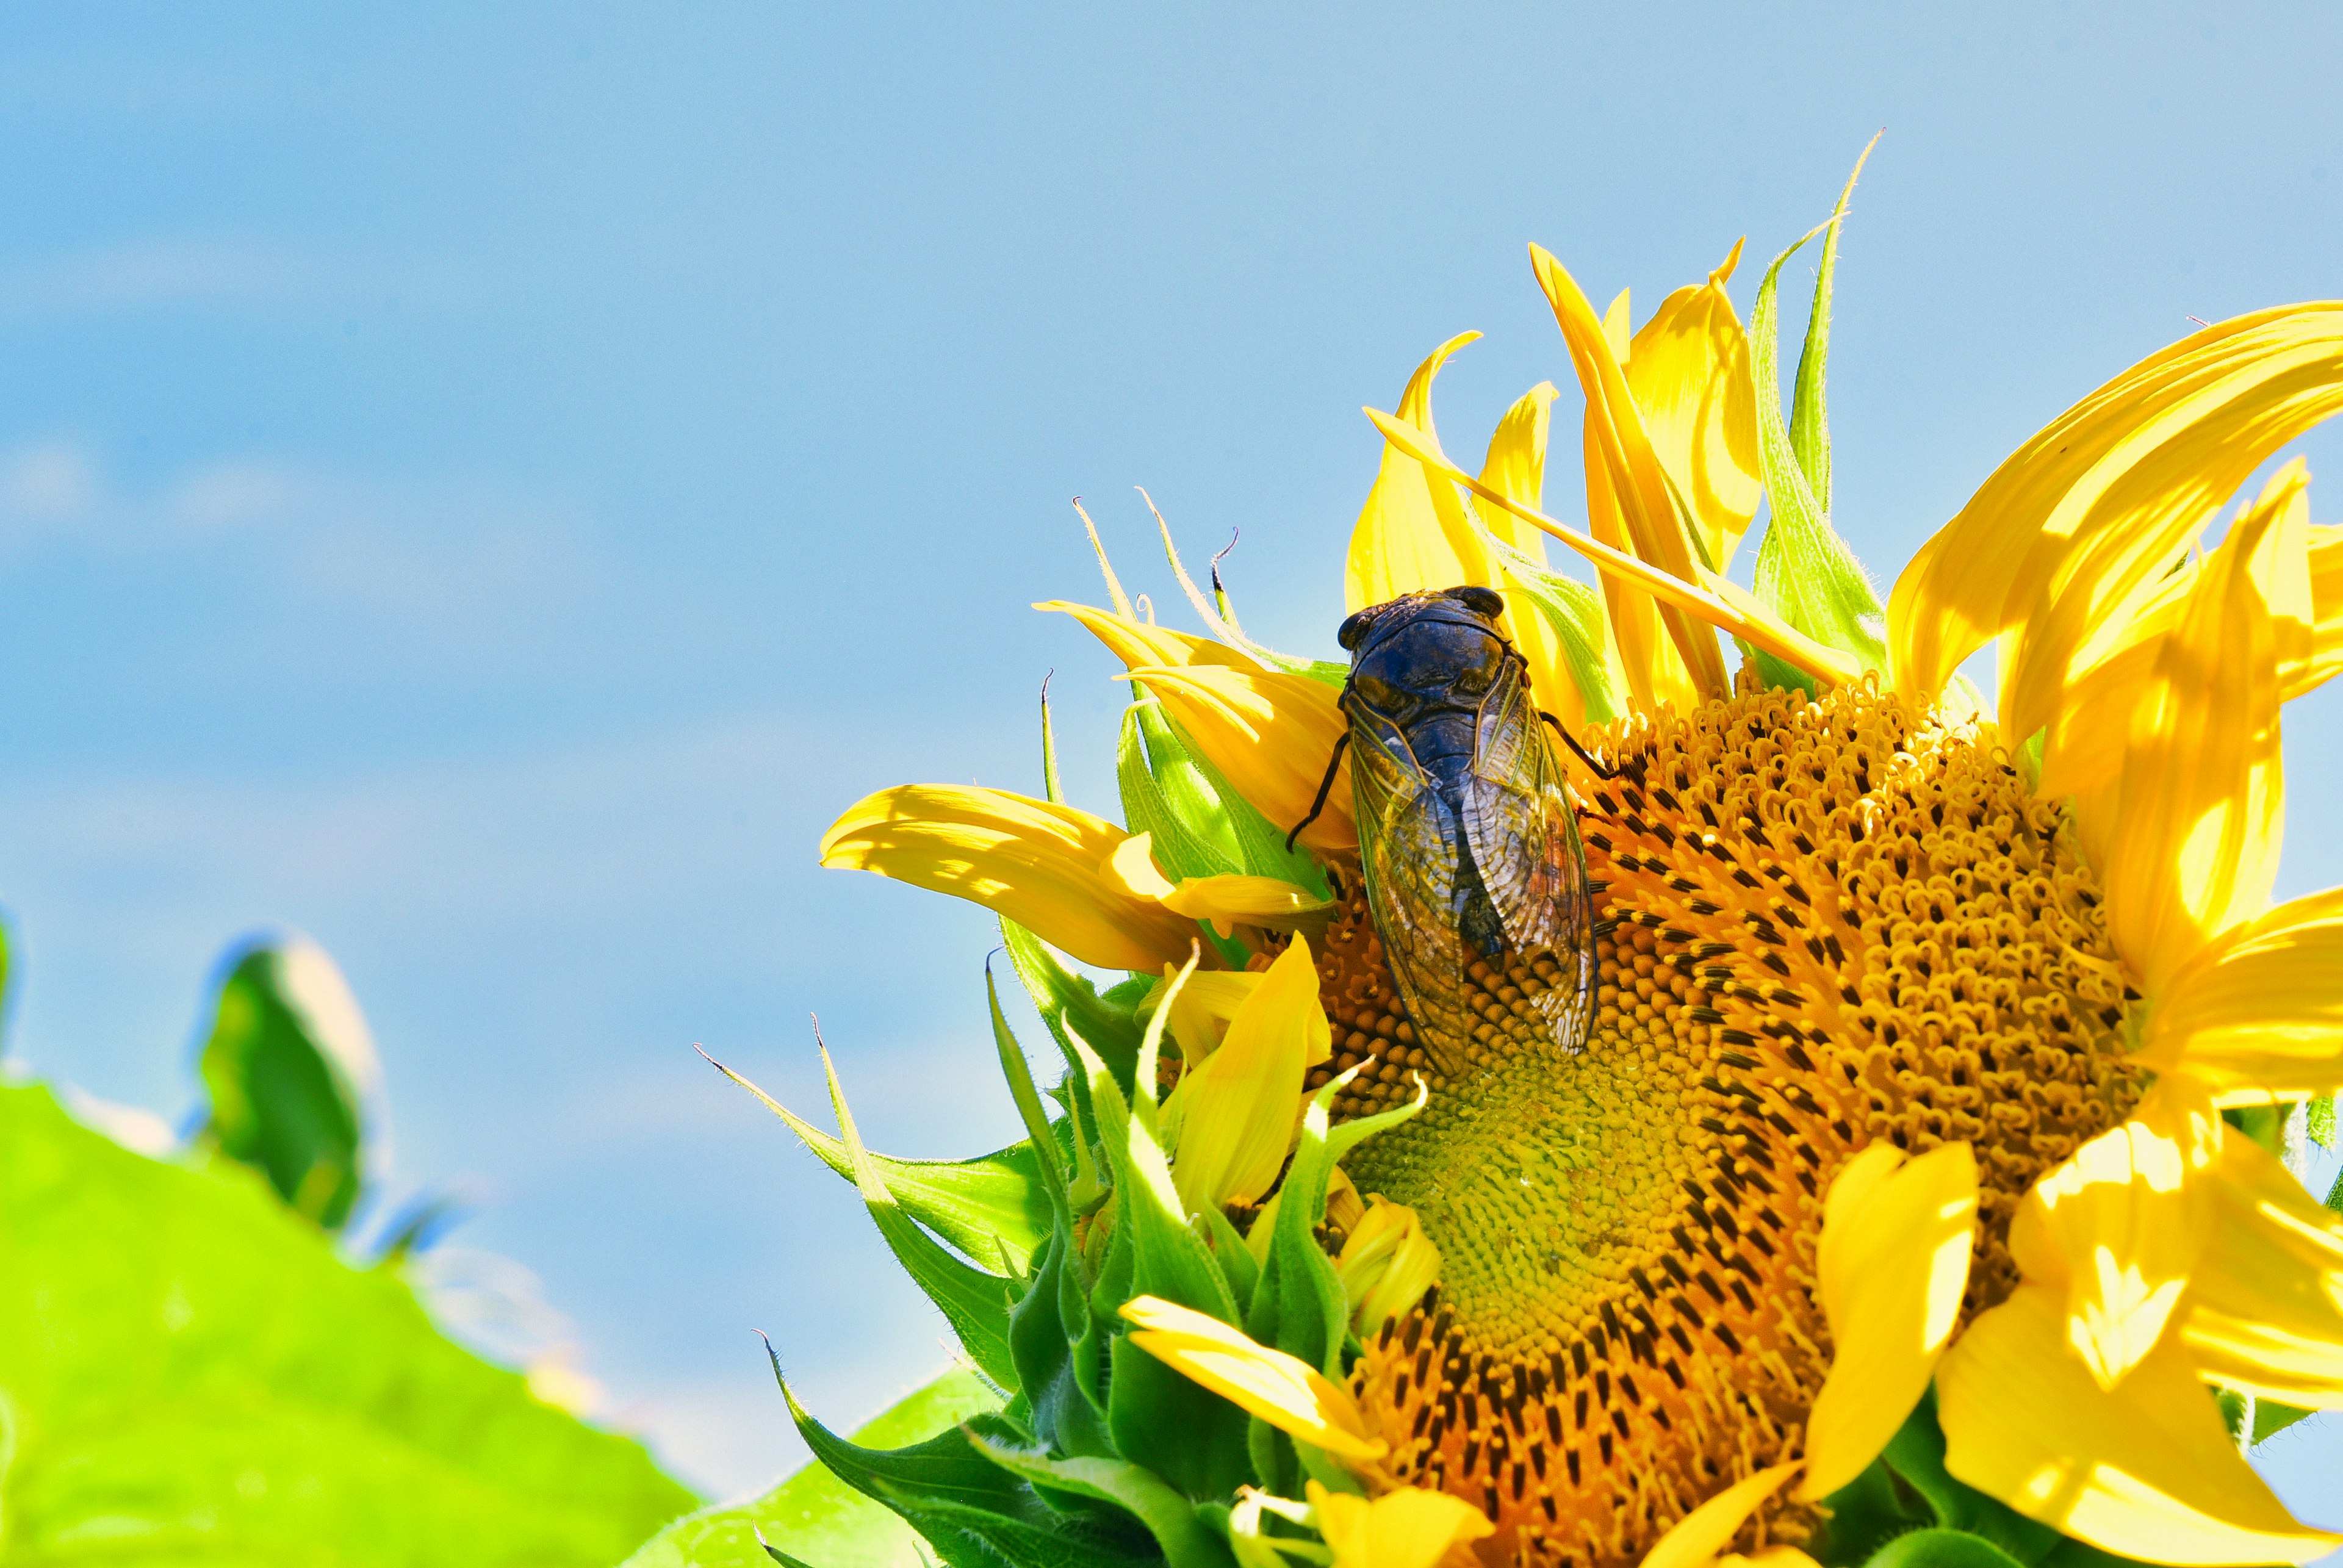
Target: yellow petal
{"x":1231,"y":901}
{"x":1655,"y":671}
{"x":2260,"y":1010}
{"x":1270,"y":734}
{"x":1623,"y":472}
{"x":1690,"y":374}
{"x":2146,"y":1470}
{"x":2134,"y":468}
{"x":1411,"y":534}
{"x":1409,"y":1528}
{"x":1707,"y":1530}
{"x":1515,"y":468}
{"x":2120,"y":1225}
{"x":1130,"y":869}
{"x":1138,"y":642}
{"x":2324,"y":655}
{"x":1894,"y":1261}
{"x":1232,"y":1120}
{"x":1040,"y":864}
{"x":1201,"y":1008}
{"x":2264,"y":1311}
{"x":1772,"y":1557}
{"x":1718,"y":600}
{"x":1386,"y":1264}
{"x":2089,"y":705}
{"x":2192,"y":850}
{"x":1285,"y":1391}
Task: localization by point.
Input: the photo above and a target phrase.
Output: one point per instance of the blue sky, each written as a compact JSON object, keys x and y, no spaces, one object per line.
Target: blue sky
{"x":483,"y":485}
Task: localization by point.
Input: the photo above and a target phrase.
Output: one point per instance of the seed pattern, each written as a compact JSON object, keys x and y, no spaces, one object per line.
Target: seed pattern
{"x":1820,"y":923}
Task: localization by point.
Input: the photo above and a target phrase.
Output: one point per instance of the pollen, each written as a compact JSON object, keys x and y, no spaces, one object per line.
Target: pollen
{"x":1818,"y":924}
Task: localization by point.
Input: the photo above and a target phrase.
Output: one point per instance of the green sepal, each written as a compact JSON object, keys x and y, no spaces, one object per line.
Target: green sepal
{"x":2270,"y":1418}
{"x":1040,"y":1132}
{"x":982,"y":1206}
{"x":2318,"y":1121}
{"x":1574,"y":610}
{"x":1218,"y":617}
{"x":287,"y":1065}
{"x":974,"y":1301}
{"x":974,"y":1513}
{"x":1070,"y":1006}
{"x":1046,"y":1326}
{"x":1805,"y":571}
{"x":1809,"y":421}
{"x":1235,"y":1259}
{"x":779,"y":1556}
{"x":1184,"y":1538}
{"x":1191,"y":1437}
{"x":1201,"y":825}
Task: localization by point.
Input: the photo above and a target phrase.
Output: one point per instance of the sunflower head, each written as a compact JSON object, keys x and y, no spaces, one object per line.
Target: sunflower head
{"x":1586,"y":1095}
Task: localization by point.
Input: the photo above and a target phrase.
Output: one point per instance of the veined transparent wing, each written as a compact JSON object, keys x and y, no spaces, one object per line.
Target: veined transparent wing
{"x":1524,"y":837}
{"x":1408,"y":842}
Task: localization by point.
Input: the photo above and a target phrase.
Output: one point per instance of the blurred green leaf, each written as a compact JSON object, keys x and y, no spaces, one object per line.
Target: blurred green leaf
{"x":212,"y":1386}
{"x":813,"y":1515}
{"x":1941,"y":1548}
{"x":289,"y":1065}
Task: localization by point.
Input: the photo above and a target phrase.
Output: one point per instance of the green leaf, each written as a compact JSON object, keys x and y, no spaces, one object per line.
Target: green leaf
{"x":815,"y":1517}
{"x":1941,"y":1548}
{"x":288,"y":1066}
{"x":982,"y":1206}
{"x":1809,"y":424}
{"x":1184,"y":1538}
{"x":1805,"y":571}
{"x":213,"y":1385}
{"x":974,"y":1302}
{"x":1574,"y":610}
{"x":973,"y":1513}
{"x":2270,"y":1418}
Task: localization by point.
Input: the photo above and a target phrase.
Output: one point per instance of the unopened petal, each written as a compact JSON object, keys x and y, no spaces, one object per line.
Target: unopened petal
{"x":1236,"y":1113}
{"x":1413,"y":533}
{"x":1038,"y":863}
{"x":2146,"y":1471}
{"x":1408,"y":1528}
{"x":1386,"y":1264}
{"x":1231,"y":901}
{"x":1689,"y":370}
{"x":1285,"y":1391}
{"x":1894,"y":1261}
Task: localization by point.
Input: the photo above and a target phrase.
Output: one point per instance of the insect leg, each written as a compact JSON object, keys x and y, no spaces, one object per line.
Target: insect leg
{"x":1325,"y":786}
{"x":1571,"y":741}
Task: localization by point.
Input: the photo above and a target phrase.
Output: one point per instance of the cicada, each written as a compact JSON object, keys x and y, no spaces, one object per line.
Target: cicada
{"x":1468,"y":840}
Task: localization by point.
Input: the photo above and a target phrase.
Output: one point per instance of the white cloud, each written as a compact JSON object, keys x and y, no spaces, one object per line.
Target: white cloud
{"x":150,"y":273}
{"x":53,"y":480}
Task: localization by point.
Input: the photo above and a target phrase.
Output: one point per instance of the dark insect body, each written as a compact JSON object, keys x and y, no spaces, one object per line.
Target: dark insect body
{"x":1467,"y":839}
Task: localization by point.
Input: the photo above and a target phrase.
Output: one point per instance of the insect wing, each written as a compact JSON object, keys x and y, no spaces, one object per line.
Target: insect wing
{"x":1524,"y":837}
{"x":1407,"y":843}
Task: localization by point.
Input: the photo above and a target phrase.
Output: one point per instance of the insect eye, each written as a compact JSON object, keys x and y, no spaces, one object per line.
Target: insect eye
{"x":1385,"y":698}
{"x":1479,"y":677}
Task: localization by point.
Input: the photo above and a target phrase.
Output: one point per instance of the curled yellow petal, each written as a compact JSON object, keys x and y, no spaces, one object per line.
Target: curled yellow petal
{"x":1289,"y":1393}
{"x":1406,"y":1528}
{"x":1138,"y":642}
{"x":1271,"y":735}
{"x":2264,"y":1311}
{"x":1515,"y":468}
{"x":2324,"y":655}
{"x":1386,"y":1263}
{"x":1233,"y":1118}
{"x":2192,"y":848}
{"x":1699,"y":1536}
{"x":1625,"y":475}
{"x":2146,"y":1470}
{"x":1231,"y":901}
{"x":2260,"y":1010}
{"x":1689,"y":370}
{"x":2134,"y":469}
{"x":1894,"y":1258}
{"x":2119,"y":1227}
{"x":1041,"y":864}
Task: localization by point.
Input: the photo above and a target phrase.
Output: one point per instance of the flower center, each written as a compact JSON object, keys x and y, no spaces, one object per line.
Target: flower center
{"x":1819,"y":924}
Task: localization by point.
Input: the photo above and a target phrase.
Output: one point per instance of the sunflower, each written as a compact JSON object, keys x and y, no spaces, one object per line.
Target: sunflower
{"x":1913,"y":1185}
